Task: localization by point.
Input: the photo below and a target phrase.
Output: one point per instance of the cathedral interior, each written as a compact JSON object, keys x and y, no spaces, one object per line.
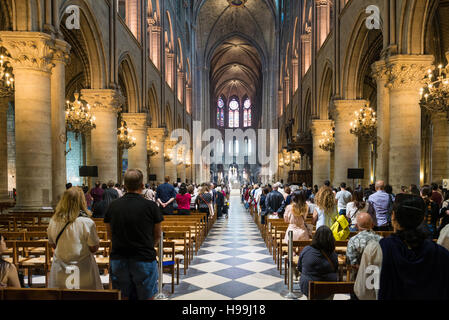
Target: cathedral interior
{"x":104,"y":85}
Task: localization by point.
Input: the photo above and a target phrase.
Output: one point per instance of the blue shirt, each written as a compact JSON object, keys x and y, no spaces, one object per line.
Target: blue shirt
{"x":381,"y":202}
{"x":165,"y":192}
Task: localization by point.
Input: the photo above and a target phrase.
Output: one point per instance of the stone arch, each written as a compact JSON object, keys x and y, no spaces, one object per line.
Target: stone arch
{"x":26,"y":15}
{"x":306,"y":111}
{"x":6,"y":15}
{"x":153,"y":107}
{"x":169,"y":40}
{"x":92,"y":42}
{"x":168,"y":118}
{"x":128,"y":73}
{"x":360,"y":40}
{"x":326,"y":91}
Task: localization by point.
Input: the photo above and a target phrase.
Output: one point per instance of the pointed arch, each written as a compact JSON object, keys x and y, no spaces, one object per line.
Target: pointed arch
{"x":128,"y":73}
{"x":153,"y":106}
{"x":325,"y":91}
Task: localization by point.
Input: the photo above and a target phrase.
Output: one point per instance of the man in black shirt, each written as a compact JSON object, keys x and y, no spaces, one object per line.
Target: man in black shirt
{"x":134,"y":226}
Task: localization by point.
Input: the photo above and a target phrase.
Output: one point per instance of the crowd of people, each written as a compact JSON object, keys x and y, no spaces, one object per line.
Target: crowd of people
{"x":417,"y":218}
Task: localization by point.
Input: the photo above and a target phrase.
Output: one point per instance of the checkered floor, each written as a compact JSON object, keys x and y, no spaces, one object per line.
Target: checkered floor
{"x":233,"y":263}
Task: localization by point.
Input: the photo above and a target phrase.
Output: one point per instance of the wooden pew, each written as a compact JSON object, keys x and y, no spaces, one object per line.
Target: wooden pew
{"x":318,"y":289}
{"x":58,"y":294}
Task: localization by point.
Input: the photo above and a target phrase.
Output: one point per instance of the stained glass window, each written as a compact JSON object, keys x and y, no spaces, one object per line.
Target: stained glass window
{"x":234,"y":116}
{"x":247,"y":113}
{"x":220,"y":112}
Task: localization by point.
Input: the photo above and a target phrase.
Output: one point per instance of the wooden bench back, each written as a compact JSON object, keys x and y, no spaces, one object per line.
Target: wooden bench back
{"x":319,"y":290}
{"x":57,"y":294}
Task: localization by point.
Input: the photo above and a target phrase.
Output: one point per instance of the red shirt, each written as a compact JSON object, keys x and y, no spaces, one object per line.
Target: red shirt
{"x":183,"y":201}
{"x":437,"y":197}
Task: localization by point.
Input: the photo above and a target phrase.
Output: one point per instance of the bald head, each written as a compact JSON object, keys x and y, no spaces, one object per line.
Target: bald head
{"x":364,"y":221}
{"x":380,"y":185}
{"x":134,"y":180}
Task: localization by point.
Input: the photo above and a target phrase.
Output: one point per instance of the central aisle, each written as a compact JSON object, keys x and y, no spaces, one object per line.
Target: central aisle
{"x":233,"y":263}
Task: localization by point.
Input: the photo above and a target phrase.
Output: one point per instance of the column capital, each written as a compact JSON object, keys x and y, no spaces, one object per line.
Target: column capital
{"x":321,"y":3}
{"x":61,"y":52}
{"x":379,"y":71}
{"x":318,"y":126}
{"x":103,"y":99}
{"x":29,"y":50}
{"x":344,"y":109}
{"x":136,"y":121}
{"x":157,"y":133}
{"x":408,"y":71}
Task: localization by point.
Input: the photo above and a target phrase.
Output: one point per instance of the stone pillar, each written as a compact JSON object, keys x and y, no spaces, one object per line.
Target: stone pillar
{"x":346,"y":144}
{"x":383,"y":120}
{"x":280,"y":102}
{"x":157,"y":164}
{"x":295,"y":74}
{"x":31,"y":54}
{"x":286,"y":91}
{"x":306,"y":52}
{"x":321,"y":158}
{"x":188,"y":103}
{"x":105,"y":104}
{"x":180,"y":86}
{"x":3,"y":148}
{"x":170,"y":69}
{"x":181,"y":172}
{"x":365,"y":160}
{"x":406,"y":74}
{"x":137,"y":156}
{"x":440,"y":148}
{"x":59,"y":177}
{"x":154,"y":45}
{"x":323,"y":23}
{"x":170,"y":167}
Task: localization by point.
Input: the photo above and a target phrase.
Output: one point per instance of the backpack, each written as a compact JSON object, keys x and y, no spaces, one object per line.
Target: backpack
{"x":340,"y":228}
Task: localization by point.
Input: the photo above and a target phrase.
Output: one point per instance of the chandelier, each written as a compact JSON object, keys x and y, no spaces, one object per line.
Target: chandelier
{"x":125,"y":140}
{"x":152,"y":148}
{"x":327,"y":141}
{"x":187,"y":161}
{"x":296,"y":157}
{"x":168,"y":155}
{"x":281,"y":162}
{"x":6,"y":77}
{"x":78,"y":117}
{"x":365,"y":123}
{"x":435,"y":94}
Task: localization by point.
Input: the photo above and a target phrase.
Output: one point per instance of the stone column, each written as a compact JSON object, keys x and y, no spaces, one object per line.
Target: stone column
{"x":170,"y":69}
{"x":323,"y":17}
{"x":383,"y":120}
{"x":137,"y":156}
{"x":155,"y":45}
{"x":365,"y":160}
{"x":346,"y":144}
{"x":306,"y":52}
{"x":295,"y":74}
{"x":286,"y":91}
{"x":59,"y":177}
{"x":181,"y":172}
{"x":406,"y":74}
{"x":170,"y":167}
{"x":321,"y":158}
{"x":157,"y":164}
{"x":4,"y":148}
{"x":440,"y":148}
{"x":180,"y":86}
{"x":105,"y":104}
{"x":31,"y":54}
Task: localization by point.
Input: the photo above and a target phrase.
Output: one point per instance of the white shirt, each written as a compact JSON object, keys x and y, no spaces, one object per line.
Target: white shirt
{"x":343,"y":198}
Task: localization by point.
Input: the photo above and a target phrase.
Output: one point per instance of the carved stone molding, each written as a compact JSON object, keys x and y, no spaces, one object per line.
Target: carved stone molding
{"x":318,"y":126}
{"x":379,"y":71}
{"x":408,"y":71}
{"x":343,"y":110}
{"x":136,"y":121}
{"x":29,"y":50}
{"x":103,"y":99}
{"x":61,"y":52}
{"x":158,"y":134}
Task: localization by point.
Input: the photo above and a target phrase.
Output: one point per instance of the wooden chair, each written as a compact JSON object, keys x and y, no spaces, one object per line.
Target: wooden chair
{"x":181,"y":248}
{"x":24,"y":258}
{"x":102,"y":258}
{"x":169,"y":262}
{"x":319,"y":290}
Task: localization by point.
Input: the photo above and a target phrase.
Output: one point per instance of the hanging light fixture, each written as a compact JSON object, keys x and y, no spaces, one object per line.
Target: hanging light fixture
{"x":78,"y":117}
{"x":153,"y":149}
{"x":281,"y":162}
{"x":6,"y":77}
{"x":296,"y":157}
{"x":168,"y":155}
{"x":365,"y":123}
{"x":435,"y":93}
{"x":125,"y":140}
{"x":327,"y":141}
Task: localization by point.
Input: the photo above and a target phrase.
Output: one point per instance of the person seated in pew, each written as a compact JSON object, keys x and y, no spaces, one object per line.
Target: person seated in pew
{"x":319,"y":261}
{"x":443,"y":239}
{"x":325,"y":209}
{"x":409,"y":265}
{"x":354,"y":207}
{"x":296,"y":214}
{"x":183,"y":199}
{"x":357,"y":244}
{"x":9,"y":277}
{"x":73,"y":235}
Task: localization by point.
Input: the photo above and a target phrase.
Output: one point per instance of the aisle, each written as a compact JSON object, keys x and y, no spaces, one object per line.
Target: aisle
{"x":233,"y":263}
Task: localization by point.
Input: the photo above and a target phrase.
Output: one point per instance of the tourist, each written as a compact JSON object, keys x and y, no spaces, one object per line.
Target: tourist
{"x":287,"y":200}
{"x":193,"y":195}
{"x":183,"y":199}
{"x":73,"y":235}
{"x":357,"y":244}
{"x":204,"y":200}
{"x":97,"y":193}
{"x":88,"y":197}
{"x":274,"y":200}
{"x":354,"y":207}
{"x":68,"y":186}
{"x":325,"y":210}
{"x":327,"y":183}
{"x":165,"y":196}
{"x":443,"y":238}
{"x":436,"y":195}
{"x":404,"y":189}
{"x":220,"y":202}
{"x":431,"y":212}
{"x":343,"y":197}
{"x":110,"y":193}
{"x":380,"y":206}
{"x":119,"y":191}
{"x":319,"y":261}
{"x":148,"y":193}
{"x":414,"y":190}
{"x":9,"y":277}
{"x":134,"y":227}
{"x":295,"y":215}
{"x":412,"y":267}
{"x":263,"y":207}
{"x":444,"y":212}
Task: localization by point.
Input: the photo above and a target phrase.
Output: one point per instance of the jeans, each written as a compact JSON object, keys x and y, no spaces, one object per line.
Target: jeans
{"x":137,"y":280}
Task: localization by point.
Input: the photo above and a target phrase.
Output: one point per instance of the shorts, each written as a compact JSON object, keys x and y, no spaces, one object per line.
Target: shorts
{"x":137,"y":280}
